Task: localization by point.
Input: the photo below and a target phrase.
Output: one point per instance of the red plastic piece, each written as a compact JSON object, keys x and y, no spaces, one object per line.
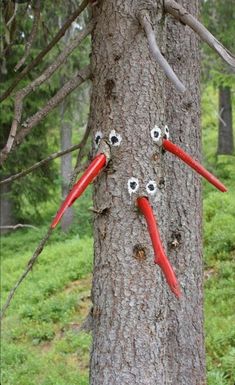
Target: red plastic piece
{"x":88,"y":176}
{"x":171,"y":147}
{"x":160,"y":256}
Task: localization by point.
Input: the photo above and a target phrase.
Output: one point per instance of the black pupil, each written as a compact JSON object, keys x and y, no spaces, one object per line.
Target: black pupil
{"x":97,"y":139}
{"x":133,"y":185}
{"x":151,"y":187}
{"x":156,"y":134}
{"x":114,"y":139}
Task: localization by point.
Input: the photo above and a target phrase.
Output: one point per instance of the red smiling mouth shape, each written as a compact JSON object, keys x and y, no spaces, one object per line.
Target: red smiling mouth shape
{"x":160,"y":256}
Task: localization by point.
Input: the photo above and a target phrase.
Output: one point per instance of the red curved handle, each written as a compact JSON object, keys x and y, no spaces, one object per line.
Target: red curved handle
{"x":174,"y":149}
{"x":160,"y":256}
{"x":88,"y":176}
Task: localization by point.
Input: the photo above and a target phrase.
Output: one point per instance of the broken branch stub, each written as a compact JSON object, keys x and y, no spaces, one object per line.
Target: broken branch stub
{"x":181,"y":14}
{"x":145,"y":22}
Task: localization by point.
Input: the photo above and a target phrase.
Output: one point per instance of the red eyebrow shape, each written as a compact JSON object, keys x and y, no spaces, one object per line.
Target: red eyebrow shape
{"x":88,"y":176}
{"x":160,"y":256}
{"x":176,"y":150}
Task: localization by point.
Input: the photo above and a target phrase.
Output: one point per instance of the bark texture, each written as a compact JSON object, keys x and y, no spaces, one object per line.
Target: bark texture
{"x":185,"y":339}
{"x":141,"y":333}
{"x":225,"y":137}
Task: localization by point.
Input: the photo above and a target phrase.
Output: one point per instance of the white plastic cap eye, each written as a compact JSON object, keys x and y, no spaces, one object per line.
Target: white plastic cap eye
{"x":115,"y":138}
{"x":133,"y":185}
{"x":156,"y":134}
{"x":166,"y":132}
{"x":151,"y":187}
{"x":98,"y":137}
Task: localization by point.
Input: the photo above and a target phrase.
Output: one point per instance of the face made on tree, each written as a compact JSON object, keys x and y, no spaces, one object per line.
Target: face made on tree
{"x":103,"y":146}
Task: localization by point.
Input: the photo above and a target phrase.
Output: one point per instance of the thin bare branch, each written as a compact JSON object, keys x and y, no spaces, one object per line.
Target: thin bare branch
{"x":31,"y":122}
{"x":41,"y":55}
{"x":145,"y":21}
{"x":79,"y":167}
{"x":27,"y":270}
{"x":181,"y":14}
{"x":40,"y":164}
{"x":32,"y":36}
{"x":42,"y":243}
{"x":21,"y":94}
{"x":13,"y":15}
{"x":18,"y":226}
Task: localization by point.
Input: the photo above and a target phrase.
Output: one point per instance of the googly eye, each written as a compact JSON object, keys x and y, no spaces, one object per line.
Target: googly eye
{"x":166,"y":132}
{"x":151,"y":187}
{"x":156,"y":134}
{"x":98,"y":137}
{"x":115,"y":138}
{"x":133,"y":185}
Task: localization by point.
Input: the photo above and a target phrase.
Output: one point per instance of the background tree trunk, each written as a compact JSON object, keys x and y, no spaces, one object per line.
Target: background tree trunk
{"x":65,"y":164}
{"x":141,"y":333}
{"x":6,"y":208}
{"x":225,"y":137}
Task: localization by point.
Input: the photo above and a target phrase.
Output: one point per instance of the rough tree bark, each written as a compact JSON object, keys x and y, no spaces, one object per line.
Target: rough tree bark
{"x":185,"y":354}
{"x":225,"y":136}
{"x":141,"y":333}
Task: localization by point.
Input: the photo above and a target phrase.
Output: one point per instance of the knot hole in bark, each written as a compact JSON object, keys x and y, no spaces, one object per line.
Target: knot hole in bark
{"x":139,"y":252}
{"x":110,"y":88}
{"x":176,"y":240}
{"x":161,"y":183}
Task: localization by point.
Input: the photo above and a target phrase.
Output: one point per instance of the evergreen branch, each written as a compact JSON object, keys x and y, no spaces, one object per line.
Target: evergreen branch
{"x":145,"y":22}
{"x":32,"y":36}
{"x":26,"y":127}
{"x":185,"y":17}
{"x":41,"y":55}
{"x":43,"y":242}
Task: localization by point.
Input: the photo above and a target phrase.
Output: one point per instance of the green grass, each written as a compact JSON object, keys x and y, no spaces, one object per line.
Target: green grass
{"x":40,"y":339}
{"x":219,"y":253}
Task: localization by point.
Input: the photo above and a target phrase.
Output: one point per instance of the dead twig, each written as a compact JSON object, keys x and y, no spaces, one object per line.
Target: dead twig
{"x":32,"y":36}
{"x":21,"y":94}
{"x":145,"y":21}
{"x":40,"y":164}
{"x":181,"y":14}
{"x":31,"y":122}
{"x":43,"y":53}
{"x":27,"y":270}
{"x":18,"y":226}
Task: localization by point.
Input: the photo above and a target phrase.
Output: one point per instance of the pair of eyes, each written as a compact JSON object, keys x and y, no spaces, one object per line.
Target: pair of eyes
{"x":114,"y":138}
{"x":157,"y":133}
{"x":133,"y":186}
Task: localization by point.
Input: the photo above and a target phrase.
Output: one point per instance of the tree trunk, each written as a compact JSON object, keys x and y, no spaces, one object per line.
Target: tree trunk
{"x":7,"y":217}
{"x":65,"y":164}
{"x":185,"y":353}
{"x":141,"y":333}
{"x":225,"y":137}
